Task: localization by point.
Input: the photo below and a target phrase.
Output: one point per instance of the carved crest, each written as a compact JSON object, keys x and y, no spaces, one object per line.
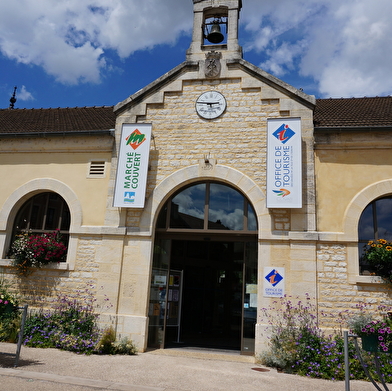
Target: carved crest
{"x":212,"y":64}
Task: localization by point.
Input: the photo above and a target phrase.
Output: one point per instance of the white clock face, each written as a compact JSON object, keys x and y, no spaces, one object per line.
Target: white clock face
{"x":210,"y":104}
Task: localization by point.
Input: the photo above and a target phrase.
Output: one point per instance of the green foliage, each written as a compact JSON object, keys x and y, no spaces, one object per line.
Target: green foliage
{"x":377,"y":325}
{"x":297,"y":345}
{"x":109,"y":345}
{"x":71,"y":325}
{"x":124,"y":346}
{"x":293,"y":327}
{"x":379,"y":255}
{"x":358,"y":321}
{"x":105,"y":345}
{"x":9,"y":314}
{"x":9,"y":330}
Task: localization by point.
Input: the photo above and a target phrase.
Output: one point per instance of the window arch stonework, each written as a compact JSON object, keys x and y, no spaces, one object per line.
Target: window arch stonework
{"x":22,"y":194}
{"x":189,"y":175}
{"x":351,"y":221}
{"x":359,"y":203}
{"x":207,"y":206}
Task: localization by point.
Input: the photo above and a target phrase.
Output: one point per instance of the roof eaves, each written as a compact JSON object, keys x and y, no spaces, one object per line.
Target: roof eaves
{"x":100,"y":132}
{"x":352,"y":128}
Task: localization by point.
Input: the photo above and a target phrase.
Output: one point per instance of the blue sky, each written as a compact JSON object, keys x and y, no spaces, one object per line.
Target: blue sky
{"x":98,"y":52}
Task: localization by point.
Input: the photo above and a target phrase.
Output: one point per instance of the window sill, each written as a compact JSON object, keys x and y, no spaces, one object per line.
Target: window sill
{"x":51,"y":266}
{"x":369,"y":280}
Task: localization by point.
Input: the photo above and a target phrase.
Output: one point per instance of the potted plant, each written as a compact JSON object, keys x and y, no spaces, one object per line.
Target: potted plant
{"x":29,"y":251}
{"x":378,"y":254}
{"x":376,"y":335}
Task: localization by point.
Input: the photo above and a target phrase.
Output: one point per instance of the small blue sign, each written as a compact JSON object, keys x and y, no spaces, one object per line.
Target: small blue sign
{"x":274,"y":278}
{"x":284,"y":133}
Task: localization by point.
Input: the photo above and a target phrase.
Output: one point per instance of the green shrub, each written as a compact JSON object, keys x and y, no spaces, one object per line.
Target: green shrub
{"x":9,"y":314}
{"x":124,"y":346}
{"x":105,"y":345}
{"x":9,"y":329}
{"x":297,"y":345}
{"x":293,"y":329}
{"x":70,"y":325}
{"x":109,"y":345}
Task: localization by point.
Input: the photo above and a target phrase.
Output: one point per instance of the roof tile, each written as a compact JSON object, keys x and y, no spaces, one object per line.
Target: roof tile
{"x":57,"y":119}
{"x":353,"y":112}
{"x":329,"y":113}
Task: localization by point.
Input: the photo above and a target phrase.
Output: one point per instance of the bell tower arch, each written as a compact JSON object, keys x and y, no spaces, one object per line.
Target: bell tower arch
{"x":215,"y":27}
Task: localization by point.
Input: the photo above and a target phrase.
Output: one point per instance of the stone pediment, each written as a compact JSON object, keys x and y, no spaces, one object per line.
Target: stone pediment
{"x":213,"y":58}
{"x":251,"y":77}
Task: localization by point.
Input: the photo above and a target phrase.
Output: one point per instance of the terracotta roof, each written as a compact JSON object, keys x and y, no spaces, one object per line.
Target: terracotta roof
{"x":57,"y":120}
{"x":353,"y":112}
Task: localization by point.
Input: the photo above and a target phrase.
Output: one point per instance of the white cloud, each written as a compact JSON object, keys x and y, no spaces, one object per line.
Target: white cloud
{"x":343,"y":46}
{"x":282,"y":58}
{"x":69,"y":38}
{"x":24,"y":95}
{"x":232,"y":220}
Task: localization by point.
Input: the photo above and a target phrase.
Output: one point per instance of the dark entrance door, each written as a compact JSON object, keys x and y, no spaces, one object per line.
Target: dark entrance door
{"x":203,"y":288}
{"x":212,"y":287}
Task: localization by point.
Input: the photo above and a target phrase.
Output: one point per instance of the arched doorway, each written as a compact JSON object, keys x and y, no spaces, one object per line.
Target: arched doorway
{"x":204,"y":278}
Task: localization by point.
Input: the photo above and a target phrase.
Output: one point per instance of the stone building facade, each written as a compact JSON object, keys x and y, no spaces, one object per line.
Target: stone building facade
{"x":352,"y":167}
{"x":191,"y":265}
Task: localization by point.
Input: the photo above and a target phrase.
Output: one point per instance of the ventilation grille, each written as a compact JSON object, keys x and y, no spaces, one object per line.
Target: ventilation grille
{"x":97,"y":169}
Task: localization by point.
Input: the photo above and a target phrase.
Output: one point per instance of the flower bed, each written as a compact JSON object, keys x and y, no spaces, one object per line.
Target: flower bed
{"x":298,"y":345}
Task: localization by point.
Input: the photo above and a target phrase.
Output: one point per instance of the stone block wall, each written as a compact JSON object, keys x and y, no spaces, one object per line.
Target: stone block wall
{"x":338,"y":297}
{"x":94,"y":279}
{"x":237,"y":139}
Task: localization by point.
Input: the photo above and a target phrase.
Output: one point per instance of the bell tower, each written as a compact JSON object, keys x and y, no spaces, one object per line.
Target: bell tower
{"x":215,"y":28}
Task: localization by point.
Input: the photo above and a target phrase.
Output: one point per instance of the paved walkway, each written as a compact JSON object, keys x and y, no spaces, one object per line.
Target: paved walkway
{"x":160,"y":370}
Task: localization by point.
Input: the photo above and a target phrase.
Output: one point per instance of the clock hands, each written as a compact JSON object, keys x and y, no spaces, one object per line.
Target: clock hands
{"x":208,"y":103}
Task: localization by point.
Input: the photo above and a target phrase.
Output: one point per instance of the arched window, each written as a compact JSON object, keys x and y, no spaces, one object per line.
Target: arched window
{"x":208,"y":206}
{"x":375,"y":223}
{"x":43,"y":213}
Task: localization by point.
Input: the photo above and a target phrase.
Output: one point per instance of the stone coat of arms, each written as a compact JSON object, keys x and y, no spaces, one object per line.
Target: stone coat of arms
{"x":212,"y":64}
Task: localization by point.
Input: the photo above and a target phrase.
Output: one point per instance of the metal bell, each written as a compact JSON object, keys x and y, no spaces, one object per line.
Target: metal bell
{"x":215,"y":35}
